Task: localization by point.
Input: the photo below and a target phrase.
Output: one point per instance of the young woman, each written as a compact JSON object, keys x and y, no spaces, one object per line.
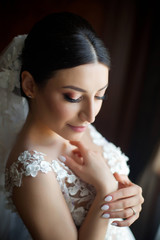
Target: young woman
{"x":63,"y":178}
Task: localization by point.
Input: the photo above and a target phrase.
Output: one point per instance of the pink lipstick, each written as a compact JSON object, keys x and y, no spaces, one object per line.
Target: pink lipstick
{"x":78,"y":128}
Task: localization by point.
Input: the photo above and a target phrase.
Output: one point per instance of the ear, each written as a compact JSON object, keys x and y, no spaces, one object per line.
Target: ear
{"x":28,"y":84}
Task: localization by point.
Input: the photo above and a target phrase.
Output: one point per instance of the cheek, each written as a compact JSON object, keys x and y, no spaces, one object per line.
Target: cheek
{"x":63,"y":111}
{"x":98,"y":108}
{"x":60,"y":109}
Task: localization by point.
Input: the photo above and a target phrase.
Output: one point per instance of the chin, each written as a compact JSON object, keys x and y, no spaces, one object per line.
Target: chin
{"x":73,"y":137}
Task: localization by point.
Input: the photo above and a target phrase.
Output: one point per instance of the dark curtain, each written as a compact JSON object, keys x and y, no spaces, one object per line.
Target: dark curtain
{"x":131,"y":117}
{"x":130,"y":29}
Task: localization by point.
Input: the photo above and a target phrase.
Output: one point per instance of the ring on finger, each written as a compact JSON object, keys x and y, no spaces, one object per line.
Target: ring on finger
{"x":134,"y":212}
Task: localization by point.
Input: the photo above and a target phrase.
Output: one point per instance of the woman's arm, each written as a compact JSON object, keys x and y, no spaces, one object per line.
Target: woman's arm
{"x":128,"y":199}
{"x":125,"y":202}
{"x":43,"y":209}
{"x":91,"y":168}
{"x":95,"y":226}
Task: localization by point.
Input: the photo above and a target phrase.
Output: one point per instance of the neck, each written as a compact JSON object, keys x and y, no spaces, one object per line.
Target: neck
{"x":37,"y":133}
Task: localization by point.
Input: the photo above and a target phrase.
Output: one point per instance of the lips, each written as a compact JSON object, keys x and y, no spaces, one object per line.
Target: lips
{"x":78,"y":128}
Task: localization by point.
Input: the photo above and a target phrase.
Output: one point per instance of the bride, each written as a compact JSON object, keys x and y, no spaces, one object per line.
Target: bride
{"x":62,"y":178}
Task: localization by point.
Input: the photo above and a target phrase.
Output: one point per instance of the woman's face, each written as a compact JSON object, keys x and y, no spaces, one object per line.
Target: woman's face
{"x":71,"y":99}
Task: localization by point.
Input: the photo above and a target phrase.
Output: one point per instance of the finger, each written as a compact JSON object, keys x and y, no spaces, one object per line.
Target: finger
{"x":71,"y":163}
{"x":77,"y":152}
{"x":121,"y":178}
{"x":124,"y":203}
{"x":127,"y":222}
{"x":80,"y":146}
{"x":126,"y":213}
{"x":124,"y":193}
{"x":119,"y":214}
{"x":77,"y":157}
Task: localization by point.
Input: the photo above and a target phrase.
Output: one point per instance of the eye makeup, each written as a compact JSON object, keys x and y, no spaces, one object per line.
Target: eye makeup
{"x":104,"y":97}
{"x":70,"y":98}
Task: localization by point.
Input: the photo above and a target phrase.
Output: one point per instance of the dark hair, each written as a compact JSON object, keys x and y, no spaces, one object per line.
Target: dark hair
{"x":59,"y":41}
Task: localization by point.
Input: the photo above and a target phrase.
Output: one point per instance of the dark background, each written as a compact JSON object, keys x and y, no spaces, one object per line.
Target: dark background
{"x":131,"y":31}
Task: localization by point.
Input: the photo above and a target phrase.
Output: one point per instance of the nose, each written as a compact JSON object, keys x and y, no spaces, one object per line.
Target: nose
{"x":87,"y":114}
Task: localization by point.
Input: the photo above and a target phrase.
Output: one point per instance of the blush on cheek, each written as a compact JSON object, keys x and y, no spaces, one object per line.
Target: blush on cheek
{"x":59,"y":110}
{"x":62,"y":111}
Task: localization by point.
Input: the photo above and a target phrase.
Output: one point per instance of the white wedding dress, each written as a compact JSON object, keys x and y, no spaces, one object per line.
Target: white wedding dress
{"x":78,"y":195}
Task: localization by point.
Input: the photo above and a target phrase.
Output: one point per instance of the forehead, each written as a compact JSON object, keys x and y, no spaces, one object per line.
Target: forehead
{"x":88,"y":76}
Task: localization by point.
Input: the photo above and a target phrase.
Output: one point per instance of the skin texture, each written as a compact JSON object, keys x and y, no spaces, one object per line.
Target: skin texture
{"x":53,"y":126}
{"x":55,"y":112}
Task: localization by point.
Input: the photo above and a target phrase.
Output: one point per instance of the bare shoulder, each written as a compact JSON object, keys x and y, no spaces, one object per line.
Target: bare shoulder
{"x":36,"y":193}
{"x":20,"y":149}
{"x":39,"y":200}
{"x":42,"y":207}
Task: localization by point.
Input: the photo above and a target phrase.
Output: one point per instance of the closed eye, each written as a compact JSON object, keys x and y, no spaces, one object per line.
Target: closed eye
{"x":104,"y":97}
{"x":77,"y":100}
{"x":72,"y":100}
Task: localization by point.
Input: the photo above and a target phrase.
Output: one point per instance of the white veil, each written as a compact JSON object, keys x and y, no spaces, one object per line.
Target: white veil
{"x":13,"y":112}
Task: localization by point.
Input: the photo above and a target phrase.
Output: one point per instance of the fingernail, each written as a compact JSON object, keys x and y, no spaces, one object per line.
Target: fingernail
{"x":62,"y":158}
{"x":108,"y":199}
{"x":114,"y":224}
{"x":105,"y":207}
{"x":106,"y":215}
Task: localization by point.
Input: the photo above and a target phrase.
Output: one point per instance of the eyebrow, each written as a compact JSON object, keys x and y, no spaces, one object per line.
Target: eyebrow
{"x":82,"y":90}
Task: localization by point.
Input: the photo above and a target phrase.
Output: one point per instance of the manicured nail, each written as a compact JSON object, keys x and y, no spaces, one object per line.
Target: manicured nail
{"x":114,"y":224}
{"x":106,"y":215}
{"x":105,"y":207}
{"x":62,"y":158}
{"x":108,"y":199}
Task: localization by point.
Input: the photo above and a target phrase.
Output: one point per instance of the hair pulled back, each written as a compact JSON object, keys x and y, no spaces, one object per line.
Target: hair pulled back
{"x":59,"y":41}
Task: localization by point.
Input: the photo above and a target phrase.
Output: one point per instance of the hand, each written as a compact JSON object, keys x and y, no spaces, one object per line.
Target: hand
{"x":124,"y":203}
{"x":91,"y":168}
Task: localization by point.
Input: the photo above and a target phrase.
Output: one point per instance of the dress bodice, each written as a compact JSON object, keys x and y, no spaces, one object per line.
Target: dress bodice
{"x":78,"y":194}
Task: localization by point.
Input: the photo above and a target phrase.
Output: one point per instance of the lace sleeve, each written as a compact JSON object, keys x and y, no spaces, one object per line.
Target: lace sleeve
{"x":78,"y":194}
{"x":27,"y":164}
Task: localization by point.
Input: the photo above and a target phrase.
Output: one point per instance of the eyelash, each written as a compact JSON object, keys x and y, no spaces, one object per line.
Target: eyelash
{"x":72,"y":100}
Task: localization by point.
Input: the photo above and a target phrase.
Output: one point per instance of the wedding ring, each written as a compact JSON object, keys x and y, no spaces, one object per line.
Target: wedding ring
{"x":134,"y":212}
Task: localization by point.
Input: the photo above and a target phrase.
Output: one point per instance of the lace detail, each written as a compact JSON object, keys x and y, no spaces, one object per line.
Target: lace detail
{"x":28,"y":164}
{"x":78,"y":195}
{"x":115,"y":158}
{"x":10,"y":65}
{"x":118,"y":233}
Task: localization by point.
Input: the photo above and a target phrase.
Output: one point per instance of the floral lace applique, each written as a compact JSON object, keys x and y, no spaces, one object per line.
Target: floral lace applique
{"x":115,"y":158}
{"x":28,"y":164}
{"x":78,"y":194}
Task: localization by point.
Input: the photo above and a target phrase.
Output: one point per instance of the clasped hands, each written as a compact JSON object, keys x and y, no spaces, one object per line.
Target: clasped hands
{"x":125,"y":202}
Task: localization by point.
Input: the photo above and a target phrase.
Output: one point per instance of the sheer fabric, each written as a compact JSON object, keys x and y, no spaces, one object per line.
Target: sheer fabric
{"x":78,"y":195}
